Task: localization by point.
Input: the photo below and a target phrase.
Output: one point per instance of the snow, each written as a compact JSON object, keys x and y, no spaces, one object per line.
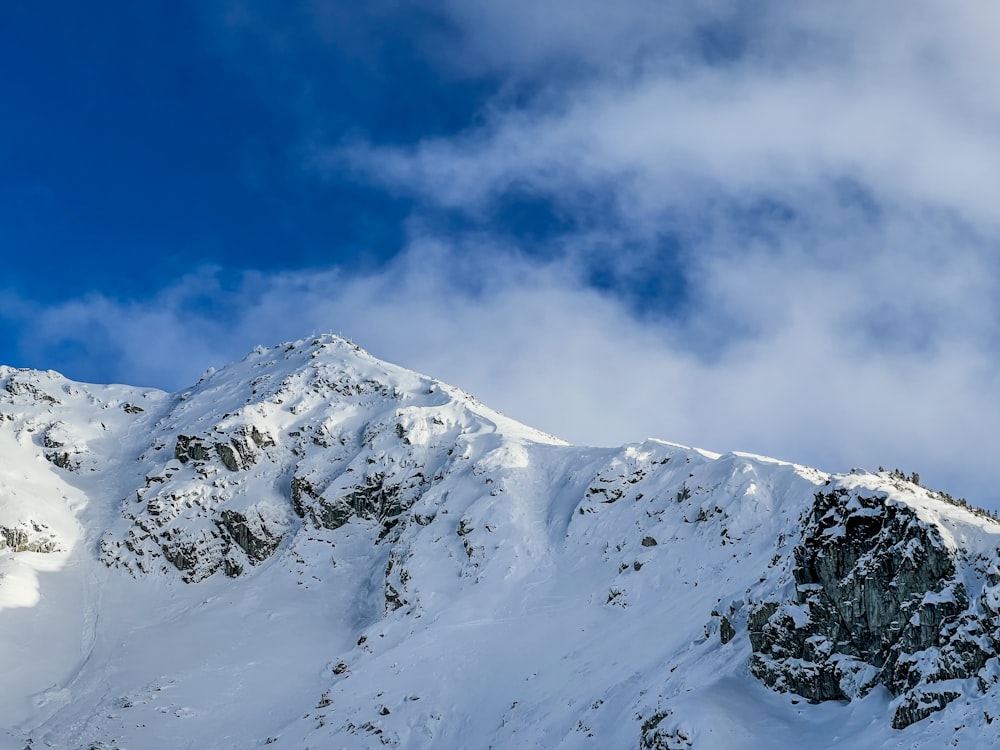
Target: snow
{"x":555,"y":596}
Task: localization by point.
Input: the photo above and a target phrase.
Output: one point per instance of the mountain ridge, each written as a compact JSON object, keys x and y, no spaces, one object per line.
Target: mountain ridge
{"x":649,"y":595}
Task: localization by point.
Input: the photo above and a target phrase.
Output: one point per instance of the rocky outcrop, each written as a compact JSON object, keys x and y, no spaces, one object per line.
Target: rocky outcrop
{"x":661,"y":733}
{"x":373,"y":498}
{"x":877,"y":602}
{"x":238,"y":453}
{"x":28,"y":536}
{"x":20,"y":385}
{"x":396,"y":578}
{"x":250,"y":532}
{"x":190,"y":448}
{"x":243,"y":448}
{"x":235,"y":541}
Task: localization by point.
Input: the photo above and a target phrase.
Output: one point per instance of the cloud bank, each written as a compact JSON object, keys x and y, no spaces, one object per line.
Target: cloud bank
{"x":812,"y":188}
{"x":812,"y":381}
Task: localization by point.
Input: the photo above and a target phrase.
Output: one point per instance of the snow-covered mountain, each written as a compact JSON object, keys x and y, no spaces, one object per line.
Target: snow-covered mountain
{"x":315,"y":549}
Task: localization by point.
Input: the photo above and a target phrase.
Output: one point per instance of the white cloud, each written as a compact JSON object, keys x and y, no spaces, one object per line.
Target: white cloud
{"x":674,"y":145}
{"x":830,"y":173}
{"x":531,"y":339}
{"x":894,"y":97}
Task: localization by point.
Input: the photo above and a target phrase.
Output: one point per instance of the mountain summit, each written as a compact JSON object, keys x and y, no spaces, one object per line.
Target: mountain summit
{"x":312,"y":548}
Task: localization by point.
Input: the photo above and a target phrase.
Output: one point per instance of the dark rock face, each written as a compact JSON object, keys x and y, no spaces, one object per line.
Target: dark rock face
{"x":378,"y":496}
{"x":726,"y":630}
{"x":877,"y":602}
{"x":190,"y":448}
{"x":62,"y":459}
{"x":919,"y":704}
{"x":241,"y":450}
{"x":238,"y":453}
{"x":250,"y":533}
{"x":660,"y":734}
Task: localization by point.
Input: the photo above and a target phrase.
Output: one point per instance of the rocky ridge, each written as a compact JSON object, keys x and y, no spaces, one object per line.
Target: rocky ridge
{"x":315,"y":443}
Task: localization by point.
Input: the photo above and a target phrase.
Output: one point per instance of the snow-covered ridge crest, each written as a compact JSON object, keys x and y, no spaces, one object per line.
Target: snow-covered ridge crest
{"x":367,"y":543}
{"x":316,"y":431}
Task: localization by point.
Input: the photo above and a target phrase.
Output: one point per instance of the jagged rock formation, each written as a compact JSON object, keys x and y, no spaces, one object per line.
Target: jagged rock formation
{"x":878,"y":601}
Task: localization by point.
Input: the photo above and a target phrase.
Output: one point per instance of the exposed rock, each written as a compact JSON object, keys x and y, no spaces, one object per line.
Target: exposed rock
{"x":251,"y":533}
{"x":229,"y":457}
{"x":183,"y":556}
{"x":62,"y":459}
{"x":877,"y":602}
{"x":57,"y":452}
{"x":189,"y":448}
{"x":726,"y":630}
{"x":29,"y":536}
{"x":240,"y":452}
{"x":660,"y":734}
{"x":303,"y":492}
{"x":376,"y":498}
{"x":331,"y":515}
{"x":17,"y":387}
{"x":919,"y":704}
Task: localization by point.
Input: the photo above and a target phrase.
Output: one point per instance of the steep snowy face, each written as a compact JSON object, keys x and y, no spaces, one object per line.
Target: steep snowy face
{"x":300,"y":438}
{"x":53,"y":431}
{"x":313,"y":548}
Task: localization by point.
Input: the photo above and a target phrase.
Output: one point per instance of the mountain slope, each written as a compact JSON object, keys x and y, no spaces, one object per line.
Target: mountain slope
{"x":313,"y":548}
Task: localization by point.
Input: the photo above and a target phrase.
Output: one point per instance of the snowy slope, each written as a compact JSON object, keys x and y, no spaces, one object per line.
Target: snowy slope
{"x":313,"y":548}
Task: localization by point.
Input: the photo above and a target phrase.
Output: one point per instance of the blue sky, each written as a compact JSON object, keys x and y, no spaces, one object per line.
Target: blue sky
{"x":769,"y":229}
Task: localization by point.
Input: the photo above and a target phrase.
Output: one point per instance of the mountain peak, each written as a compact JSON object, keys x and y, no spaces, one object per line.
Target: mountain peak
{"x":312,"y":547}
